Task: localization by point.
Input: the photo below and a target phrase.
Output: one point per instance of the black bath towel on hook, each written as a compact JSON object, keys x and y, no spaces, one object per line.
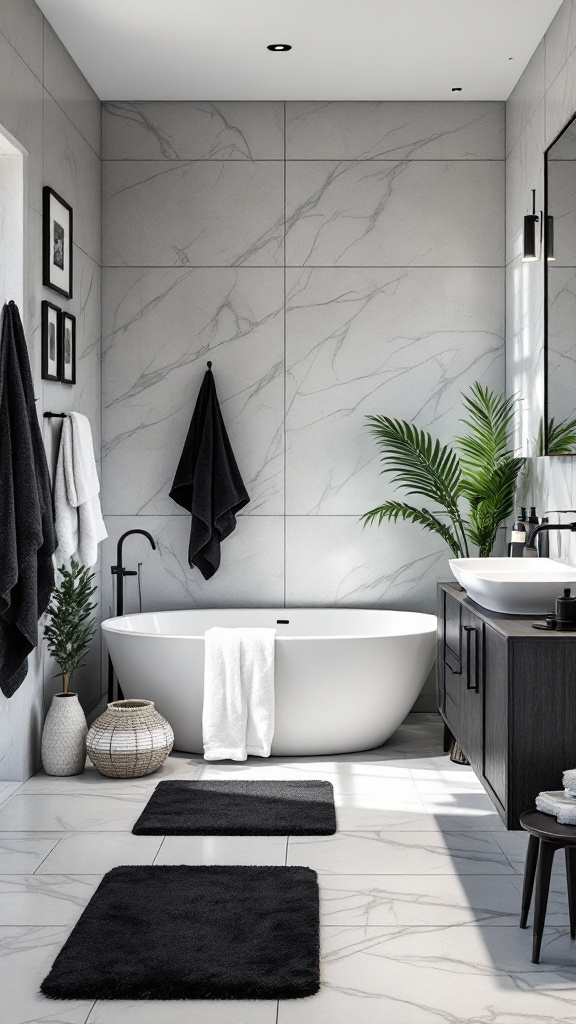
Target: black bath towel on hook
{"x":208,"y":482}
{"x":27,"y":538}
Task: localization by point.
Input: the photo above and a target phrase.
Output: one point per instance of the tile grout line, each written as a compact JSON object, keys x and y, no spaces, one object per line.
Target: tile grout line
{"x":284,"y":363}
{"x":44,"y":859}
{"x":158,"y":850}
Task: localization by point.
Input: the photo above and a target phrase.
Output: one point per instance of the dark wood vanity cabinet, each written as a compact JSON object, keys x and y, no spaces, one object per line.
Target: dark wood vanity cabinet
{"x":507,"y":692}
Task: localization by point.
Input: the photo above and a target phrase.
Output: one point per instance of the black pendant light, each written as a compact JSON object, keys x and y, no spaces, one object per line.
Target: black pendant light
{"x":531,"y":239}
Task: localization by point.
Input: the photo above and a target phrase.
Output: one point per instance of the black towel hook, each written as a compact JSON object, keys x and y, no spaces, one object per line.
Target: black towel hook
{"x":209,"y":364}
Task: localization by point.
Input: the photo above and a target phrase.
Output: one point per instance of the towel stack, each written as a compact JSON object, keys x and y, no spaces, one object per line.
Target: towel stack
{"x":561,"y":803}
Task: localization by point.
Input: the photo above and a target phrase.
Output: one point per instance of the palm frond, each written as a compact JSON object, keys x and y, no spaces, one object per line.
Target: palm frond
{"x":489,"y":470}
{"x":561,"y":437}
{"x":394,"y":510}
{"x":417,"y":463}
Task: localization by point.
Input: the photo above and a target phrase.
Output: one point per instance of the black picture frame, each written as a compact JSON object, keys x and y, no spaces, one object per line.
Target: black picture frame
{"x":57,"y":243}
{"x":51,"y":341}
{"x":68,"y":342}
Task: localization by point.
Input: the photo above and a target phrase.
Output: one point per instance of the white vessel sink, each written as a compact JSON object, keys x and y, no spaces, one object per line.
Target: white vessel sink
{"x":514,"y":586}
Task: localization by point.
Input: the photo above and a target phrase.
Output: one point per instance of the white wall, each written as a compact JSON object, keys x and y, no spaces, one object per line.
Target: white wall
{"x":332,"y":260}
{"x":48,"y":107}
{"x":542,"y":103}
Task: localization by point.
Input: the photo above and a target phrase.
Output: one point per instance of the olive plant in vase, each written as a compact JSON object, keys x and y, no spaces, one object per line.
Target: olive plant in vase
{"x":68,"y":634}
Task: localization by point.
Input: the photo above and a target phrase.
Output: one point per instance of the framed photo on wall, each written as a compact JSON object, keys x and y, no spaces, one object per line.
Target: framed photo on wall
{"x":51,"y":342}
{"x":57,"y":243}
{"x":68,"y":333}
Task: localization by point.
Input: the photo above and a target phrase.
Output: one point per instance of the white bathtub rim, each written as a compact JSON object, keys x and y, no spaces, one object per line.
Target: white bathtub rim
{"x":117,"y":624}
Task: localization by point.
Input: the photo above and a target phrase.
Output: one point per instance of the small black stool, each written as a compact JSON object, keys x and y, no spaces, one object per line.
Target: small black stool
{"x":546,"y":836}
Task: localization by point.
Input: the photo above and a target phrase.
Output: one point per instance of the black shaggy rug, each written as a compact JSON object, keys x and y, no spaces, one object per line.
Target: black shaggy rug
{"x":194,"y":933}
{"x":239,"y":808}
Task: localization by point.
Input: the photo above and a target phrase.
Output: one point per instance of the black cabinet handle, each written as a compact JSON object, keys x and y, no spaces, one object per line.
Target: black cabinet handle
{"x":471,"y":630}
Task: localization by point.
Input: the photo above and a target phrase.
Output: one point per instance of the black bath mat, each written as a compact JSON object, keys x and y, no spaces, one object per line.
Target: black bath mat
{"x":194,"y":933}
{"x":239,"y":808}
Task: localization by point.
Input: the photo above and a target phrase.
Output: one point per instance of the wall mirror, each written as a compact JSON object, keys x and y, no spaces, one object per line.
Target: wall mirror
{"x":559,"y":252}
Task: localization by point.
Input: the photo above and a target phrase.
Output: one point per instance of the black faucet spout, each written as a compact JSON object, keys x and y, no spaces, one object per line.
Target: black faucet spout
{"x":530,"y":545}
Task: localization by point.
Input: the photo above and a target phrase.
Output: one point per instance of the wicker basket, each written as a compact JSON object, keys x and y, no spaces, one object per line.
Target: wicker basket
{"x":130,"y":739}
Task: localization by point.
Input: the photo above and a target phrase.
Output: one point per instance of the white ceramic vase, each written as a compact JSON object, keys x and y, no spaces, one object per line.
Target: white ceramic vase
{"x":64,"y":736}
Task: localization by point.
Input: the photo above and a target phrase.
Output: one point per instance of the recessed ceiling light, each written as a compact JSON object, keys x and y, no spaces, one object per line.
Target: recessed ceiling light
{"x":279,"y":47}
{"x":457,"y":88}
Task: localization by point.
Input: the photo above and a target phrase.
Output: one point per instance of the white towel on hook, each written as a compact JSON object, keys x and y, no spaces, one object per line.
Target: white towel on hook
{"x":79,"y":524}
{"x":559,"y":804}
{"x":238,"y":711}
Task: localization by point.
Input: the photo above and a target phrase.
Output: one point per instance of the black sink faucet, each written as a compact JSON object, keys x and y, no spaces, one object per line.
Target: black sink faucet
{"x":120,"y":572}
{"x":530,"y":550}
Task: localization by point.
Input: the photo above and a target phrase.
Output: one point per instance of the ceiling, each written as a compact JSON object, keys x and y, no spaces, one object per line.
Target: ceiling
{"x":342,"y":49}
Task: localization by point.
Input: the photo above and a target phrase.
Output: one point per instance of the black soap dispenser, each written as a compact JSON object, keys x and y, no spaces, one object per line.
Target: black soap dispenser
{"x":518,"y":538}
{"x":566,"y":612}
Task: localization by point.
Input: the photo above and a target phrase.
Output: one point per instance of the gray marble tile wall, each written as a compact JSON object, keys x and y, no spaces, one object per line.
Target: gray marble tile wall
{"x":332,"y":260}
{"x":47,"y":105}
{"x":542,"y":103}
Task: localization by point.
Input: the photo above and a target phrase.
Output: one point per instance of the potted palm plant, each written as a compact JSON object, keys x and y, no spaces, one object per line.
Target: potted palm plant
{"x":68,"y":633}
{"x":479,"y":470}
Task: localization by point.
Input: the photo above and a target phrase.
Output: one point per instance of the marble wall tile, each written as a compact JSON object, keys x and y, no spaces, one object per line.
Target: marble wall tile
{"x":401,"y":342}
{"x":72,"y":168}
{"x":251,"y":573}
{"x":524,"y":172}
{"x":21,"y":114}
{"x":561,"y":99}
{"x":85,"y":395}
{"x":525,"y":97}
{"x":560,"y":40}
{"x":193,"y":131}
{"x":354,"y":214}
{"x":160,"y":327}
{"x":206,"y":213}
{"x":525,"y":350}
{"x":335,"y":561}
{"x":21,"y":22}
{"x":395,"y":131}
{"x":67,"y":85}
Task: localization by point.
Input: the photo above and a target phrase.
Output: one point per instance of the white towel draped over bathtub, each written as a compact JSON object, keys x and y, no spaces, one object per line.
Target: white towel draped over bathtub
{"x":238,"y":712}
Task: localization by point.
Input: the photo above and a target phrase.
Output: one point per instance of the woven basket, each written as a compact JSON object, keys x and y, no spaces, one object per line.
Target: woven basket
{"x":130,"y":739}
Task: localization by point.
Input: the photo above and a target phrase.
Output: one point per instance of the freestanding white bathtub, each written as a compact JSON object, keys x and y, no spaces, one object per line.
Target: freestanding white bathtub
{"x":345,"y":678}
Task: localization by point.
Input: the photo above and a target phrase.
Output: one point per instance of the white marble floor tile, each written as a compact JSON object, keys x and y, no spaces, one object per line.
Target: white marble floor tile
{"x":417,"y":900}
{"x":26,"y":956}
{"x":22,"y":853}
{"x":119,"y":1011}
{"x":7,"y":789}
{"x":408,"y":853}
{"x":349,"y":781}
{"x":222,"y":850}
{"x":91,"y":781}
{"x":450,"y":974}
{"x":71,"y":812}
{"x":94,"y":853}
{"x":44,"y":899}
{"x":380,"y":811}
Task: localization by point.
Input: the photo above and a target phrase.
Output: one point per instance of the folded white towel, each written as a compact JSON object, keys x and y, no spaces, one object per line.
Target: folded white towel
{"x":238,"y":711}
{"x":559,"y":804}
{"x":569,"y":780}
{"x":79,"y":523}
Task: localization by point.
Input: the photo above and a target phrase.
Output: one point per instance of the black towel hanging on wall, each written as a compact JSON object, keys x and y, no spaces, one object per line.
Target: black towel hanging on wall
{"x":27,"y":537}
{"x":208,"y":482}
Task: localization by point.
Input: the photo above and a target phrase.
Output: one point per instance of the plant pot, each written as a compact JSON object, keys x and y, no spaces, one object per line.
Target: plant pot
{"x":64,"y":736}
{"x":130,"y":739}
